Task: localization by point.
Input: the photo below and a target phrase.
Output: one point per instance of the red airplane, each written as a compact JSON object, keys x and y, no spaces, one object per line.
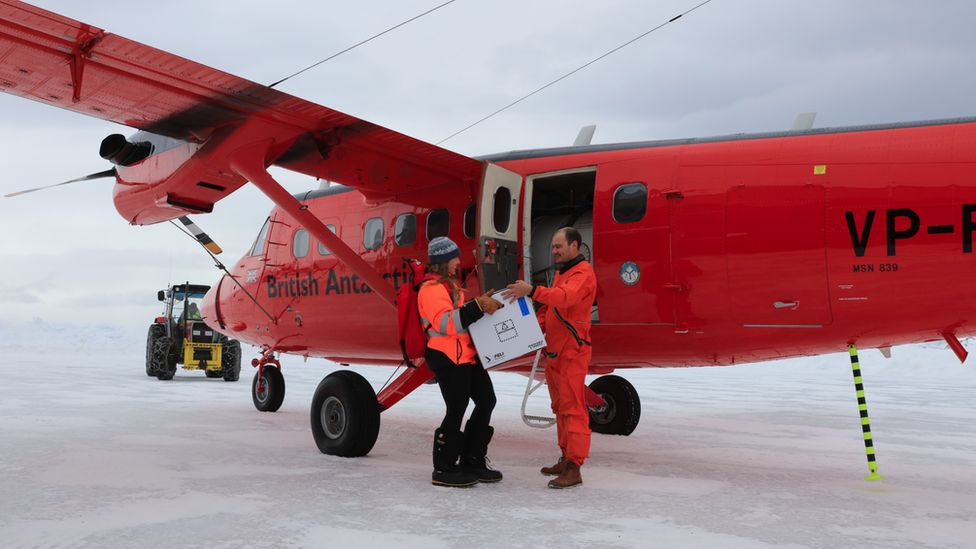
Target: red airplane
{"x":708,"y":252}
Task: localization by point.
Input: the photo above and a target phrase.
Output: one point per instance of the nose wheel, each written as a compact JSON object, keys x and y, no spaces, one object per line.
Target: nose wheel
{"x":268,"y":386}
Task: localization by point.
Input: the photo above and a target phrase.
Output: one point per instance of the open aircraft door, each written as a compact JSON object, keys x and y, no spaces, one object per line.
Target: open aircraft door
{"x":498,"y":226}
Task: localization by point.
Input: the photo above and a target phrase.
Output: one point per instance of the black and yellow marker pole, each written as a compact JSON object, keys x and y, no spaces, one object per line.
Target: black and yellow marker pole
{"x":862,"y":406}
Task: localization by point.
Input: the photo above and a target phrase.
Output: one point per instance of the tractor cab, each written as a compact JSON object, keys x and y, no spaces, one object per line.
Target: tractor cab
{"x":180,"y":336}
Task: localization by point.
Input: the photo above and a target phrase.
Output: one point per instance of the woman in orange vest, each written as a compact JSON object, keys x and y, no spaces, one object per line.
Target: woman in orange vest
{"x":461,"y":377}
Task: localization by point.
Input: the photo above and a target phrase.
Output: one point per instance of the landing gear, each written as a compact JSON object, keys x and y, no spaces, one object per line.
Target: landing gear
{"x":268,"y":388}
{"x":345,"y":415}
{"x":621,"y":413}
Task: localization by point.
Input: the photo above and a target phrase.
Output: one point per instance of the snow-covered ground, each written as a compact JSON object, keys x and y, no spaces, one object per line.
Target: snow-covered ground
{"x":94,"y":453}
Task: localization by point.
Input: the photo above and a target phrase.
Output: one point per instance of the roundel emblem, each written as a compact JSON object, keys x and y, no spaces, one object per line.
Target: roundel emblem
{"x":629,"y":273}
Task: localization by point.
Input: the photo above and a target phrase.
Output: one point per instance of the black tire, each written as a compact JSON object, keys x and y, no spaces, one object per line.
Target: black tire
{"x":273,"y":394}
{"x":164,"y":360}
{"x":622,"y":413}
{"x":231,"y":360}
{"x":155,"y":332}
{"x":213,"y":373}
{"x":345,"y":415}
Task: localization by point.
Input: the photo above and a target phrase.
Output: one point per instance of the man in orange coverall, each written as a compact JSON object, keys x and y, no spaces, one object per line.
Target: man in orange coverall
{"x":566,"y":322}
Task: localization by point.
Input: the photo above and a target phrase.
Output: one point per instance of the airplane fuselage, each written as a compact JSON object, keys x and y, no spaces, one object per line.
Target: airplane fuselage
{"x":749,"y":248}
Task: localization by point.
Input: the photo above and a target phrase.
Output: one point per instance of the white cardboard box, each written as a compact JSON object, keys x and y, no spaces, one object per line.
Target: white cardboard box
{"x":511,"y":332}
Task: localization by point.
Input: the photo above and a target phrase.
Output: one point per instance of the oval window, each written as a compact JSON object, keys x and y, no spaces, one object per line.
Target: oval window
{"x":502,"y":209}
{"x":299,"y":243}
{"x":469,"y":220}
{"x":438,"y":223}
{"x":629,"y":203}
{"x":322,"y":249}
{"x":373,"y":233}
{"x":405,"y":229}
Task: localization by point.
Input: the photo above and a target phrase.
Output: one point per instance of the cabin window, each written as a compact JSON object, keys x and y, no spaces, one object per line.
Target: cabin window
{"x":258,"y":246}
{"x":405,"y":229}
{"x":438,"y":223}
{"x":322,"y":249}
{"x":299,"y":243}
{"x":629,"y":203}
{"x":469,"y":221}
{"x":373,"y":233}
{"x":502,"y":209}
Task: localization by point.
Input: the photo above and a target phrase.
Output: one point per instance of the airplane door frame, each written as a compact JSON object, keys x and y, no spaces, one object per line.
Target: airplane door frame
{"x":498,"y":250}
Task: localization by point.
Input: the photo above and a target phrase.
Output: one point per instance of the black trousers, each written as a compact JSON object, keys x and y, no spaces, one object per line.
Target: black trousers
{"x":460,"y":383}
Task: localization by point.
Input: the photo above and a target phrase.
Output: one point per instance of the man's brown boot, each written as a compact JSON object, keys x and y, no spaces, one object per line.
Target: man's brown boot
{"x":570,"y":476}
{"x":556,"y":469}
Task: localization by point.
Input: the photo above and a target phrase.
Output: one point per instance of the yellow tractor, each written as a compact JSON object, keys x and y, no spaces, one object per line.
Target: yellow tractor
{"x":180,"y":336}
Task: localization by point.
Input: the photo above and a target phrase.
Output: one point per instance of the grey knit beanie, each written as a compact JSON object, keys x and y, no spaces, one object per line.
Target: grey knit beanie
{"x":442,"y":250}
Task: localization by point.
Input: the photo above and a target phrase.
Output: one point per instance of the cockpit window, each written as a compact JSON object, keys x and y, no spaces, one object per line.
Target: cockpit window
{"x":258,"y":247}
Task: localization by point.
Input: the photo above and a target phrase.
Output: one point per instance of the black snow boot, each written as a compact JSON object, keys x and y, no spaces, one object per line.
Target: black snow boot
{"x":473,"y":457}
{"x":447,"y":446}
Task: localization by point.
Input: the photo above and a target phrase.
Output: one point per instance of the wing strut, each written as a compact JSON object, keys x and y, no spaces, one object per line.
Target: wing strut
{"x":248,"y":162}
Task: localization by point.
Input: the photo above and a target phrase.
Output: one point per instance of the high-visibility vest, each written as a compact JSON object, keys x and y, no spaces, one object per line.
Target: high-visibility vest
{"x":441,"y":317}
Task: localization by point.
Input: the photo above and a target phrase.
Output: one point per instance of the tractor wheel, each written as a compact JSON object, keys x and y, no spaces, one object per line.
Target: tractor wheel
{"x":155,"y":332}
{"x":272,"y":392}
{"x":622,"y":412}
{"x":231,"y":360}
{"x":163,"y":358}
{"x":345,"y":416}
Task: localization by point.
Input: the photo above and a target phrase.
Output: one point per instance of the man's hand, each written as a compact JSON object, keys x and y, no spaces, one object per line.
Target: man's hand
{"x":519,"y":288}
{"x":487,"y":303}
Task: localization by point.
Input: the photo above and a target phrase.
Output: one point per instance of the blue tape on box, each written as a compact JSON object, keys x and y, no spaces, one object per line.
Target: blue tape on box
{"x":524,"y":306}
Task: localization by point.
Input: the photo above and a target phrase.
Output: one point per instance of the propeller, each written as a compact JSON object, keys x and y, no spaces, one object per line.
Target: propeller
{"x":99,"y":175}
{"x":197,"y":233}
{"x":202,"y":237}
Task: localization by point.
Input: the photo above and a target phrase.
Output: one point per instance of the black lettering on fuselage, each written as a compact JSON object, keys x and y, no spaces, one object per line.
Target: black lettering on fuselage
{"x":968,"y":226}
{"x":894,"y":234}
{"x":860,"y":241}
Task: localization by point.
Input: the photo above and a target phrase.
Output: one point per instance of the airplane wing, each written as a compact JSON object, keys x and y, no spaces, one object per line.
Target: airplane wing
{"x":59,"y":61}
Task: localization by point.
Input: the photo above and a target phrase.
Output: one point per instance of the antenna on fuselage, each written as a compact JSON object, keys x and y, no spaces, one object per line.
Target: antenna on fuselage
{"x":585,"y":136}
{"x":804,"y":121}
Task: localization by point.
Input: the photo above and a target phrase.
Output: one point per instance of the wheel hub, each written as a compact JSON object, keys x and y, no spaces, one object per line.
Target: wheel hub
{"x":605,"y":414}
{"x":333,"y":417}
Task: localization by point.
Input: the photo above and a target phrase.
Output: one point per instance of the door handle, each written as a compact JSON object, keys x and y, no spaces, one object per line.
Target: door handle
{"x":787,"y":304}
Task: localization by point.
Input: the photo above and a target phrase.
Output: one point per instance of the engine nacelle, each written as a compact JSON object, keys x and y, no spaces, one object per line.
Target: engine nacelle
{"x":120,"y":151}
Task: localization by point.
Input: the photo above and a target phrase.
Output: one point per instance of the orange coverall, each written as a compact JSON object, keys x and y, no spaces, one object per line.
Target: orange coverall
{"x":573,"y":293}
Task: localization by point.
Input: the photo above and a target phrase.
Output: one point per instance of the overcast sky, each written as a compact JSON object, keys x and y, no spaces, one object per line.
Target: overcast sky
{"x":732,"y":66}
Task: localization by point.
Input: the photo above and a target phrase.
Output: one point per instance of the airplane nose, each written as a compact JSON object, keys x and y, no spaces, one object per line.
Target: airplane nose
{"x":211,"y":309}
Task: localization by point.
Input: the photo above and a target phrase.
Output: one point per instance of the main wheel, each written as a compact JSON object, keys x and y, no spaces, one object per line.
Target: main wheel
{"x":231,"y":359}
{"x":345,"y":415}
{"x":272,"y":392}
{"x":156,"y":331}
{"x":163,"y":358}
{"x":622,"y":413}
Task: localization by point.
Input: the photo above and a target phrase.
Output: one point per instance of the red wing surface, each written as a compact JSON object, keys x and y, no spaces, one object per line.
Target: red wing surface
{"x":56,"y":60}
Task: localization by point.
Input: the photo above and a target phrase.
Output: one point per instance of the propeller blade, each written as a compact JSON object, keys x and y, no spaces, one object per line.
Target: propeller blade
{"x":202,"y":237}
{"x":99,"y":175}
